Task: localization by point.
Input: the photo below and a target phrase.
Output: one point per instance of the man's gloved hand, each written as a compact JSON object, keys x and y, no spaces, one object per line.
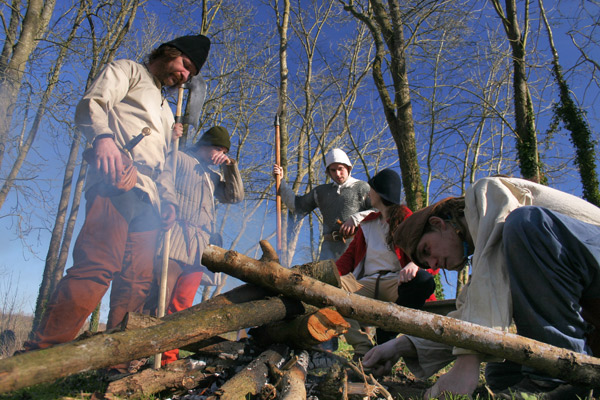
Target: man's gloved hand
{"x":112,"y":163}
{"x":128,"y":177}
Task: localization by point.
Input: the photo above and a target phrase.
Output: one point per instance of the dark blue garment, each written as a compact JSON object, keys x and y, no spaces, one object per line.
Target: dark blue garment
{"x":553,"y":262}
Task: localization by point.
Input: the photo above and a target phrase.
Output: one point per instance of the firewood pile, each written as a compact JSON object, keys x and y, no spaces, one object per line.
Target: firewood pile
{"x":280,"y":359}
{"x":244,"y":369}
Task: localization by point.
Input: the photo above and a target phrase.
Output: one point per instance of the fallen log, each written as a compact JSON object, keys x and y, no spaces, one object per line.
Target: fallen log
{"x":104,"y":350}
{"x":293,"y":382}
{"x":303,"y":331}
{"x":557,"y":362}
{"x":252,"y":378}
{"x":182,"y":374}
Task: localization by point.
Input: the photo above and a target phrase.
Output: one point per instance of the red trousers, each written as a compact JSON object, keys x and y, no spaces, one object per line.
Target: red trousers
{"x":117,"y":244}
{"x":183,"y":283}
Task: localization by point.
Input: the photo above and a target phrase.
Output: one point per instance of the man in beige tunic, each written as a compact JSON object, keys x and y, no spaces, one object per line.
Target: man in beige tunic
{"x":129,"y":194}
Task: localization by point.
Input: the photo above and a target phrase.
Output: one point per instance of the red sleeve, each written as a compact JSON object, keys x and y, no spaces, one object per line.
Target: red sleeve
{"x":404,"y":259}
{"x":353,"y":254}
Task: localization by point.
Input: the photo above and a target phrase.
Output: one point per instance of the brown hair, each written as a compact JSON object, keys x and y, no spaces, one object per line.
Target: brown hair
{"x":409,"y":233}
{"x":453,"y":211}
{"x":164,"y":52}
{"x":397,"y":214}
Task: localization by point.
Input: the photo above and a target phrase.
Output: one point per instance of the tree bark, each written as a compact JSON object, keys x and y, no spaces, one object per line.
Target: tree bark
{"x":104,"y":350}
{"x":251,"y":379}
{"x":293,"y":382}
{"x":556,"y":362}
{"x":304,"y":331}
{"x":181,"y":374}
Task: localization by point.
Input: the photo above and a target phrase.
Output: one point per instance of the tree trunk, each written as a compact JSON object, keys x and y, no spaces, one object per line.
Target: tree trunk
{"x":53,"y":271}
{"x":283,"y":23}
{"x":41,"y":108}
{"x":525,"y":130}
{"x":104,"y":350}
{"x":32,"y":27}
{"x":574,"y":120}
{"x":251,"y":379}
{"x":556,"y":362}
{"x":386,"y":27}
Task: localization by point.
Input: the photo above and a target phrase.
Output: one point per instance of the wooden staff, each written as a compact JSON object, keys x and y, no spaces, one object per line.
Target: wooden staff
{"x":278,"y":181}
{"x":162,"y":294}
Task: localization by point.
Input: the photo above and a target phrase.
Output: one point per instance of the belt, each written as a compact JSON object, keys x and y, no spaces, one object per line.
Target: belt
{"x":147,"y":170}
{"x":379,"y":273}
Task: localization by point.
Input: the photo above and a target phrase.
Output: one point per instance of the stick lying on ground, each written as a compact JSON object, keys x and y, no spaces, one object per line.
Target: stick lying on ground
{"x":557,"y":362}
{"x":104,"y":350}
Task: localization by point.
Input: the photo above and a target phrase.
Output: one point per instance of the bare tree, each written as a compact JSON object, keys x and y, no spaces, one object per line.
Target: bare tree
{"x":113,"y":34}
{"x":27,"y":25}
{"x":525,"y":129}
{"x":387,"y":25}
{"x":573,"y":118}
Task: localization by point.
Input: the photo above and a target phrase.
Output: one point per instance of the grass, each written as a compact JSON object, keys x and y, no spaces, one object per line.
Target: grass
{"x":80,"y":386}
{"x":93,"y":384}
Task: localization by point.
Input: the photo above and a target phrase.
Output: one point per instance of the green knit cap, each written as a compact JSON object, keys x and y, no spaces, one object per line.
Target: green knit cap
{"x":215,"y":136}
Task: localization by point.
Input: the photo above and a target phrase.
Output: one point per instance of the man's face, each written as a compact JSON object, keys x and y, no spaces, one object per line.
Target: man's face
{"x":215,"y":155}
{"x":338,"y":172}
{"x":176,"y":71}
{"x":441,"y":248}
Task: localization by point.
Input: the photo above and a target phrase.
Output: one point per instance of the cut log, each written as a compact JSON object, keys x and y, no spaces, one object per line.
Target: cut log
{"x":182,"y":374}
{"x":251,"y":379}
{"x":557,"y":362}
{"x":293,"y":382}
{"x":104,"y":350}
{"x":303,"y":331}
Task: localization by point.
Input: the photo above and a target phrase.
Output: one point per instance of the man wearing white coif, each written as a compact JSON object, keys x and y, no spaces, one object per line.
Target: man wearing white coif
{"x":344,"y":203}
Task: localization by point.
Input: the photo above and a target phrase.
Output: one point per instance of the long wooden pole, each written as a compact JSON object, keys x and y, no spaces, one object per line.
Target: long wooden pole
{"x":555,"y":361}
{"x":164,"y":273}
{"x":278,"y":182}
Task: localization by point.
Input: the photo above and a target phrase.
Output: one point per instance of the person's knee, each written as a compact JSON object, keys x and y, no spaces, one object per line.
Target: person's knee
{"x":415,"y":292}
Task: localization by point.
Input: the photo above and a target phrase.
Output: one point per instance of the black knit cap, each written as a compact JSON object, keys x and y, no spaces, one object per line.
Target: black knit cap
{"x":387,"y":184}
{"x":196,"y":47}
{"x":215,"y":136}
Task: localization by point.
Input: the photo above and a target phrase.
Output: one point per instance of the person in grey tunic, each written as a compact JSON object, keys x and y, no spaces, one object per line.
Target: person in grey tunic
{"x":343,"y":203}
{"x":197,"y":186}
